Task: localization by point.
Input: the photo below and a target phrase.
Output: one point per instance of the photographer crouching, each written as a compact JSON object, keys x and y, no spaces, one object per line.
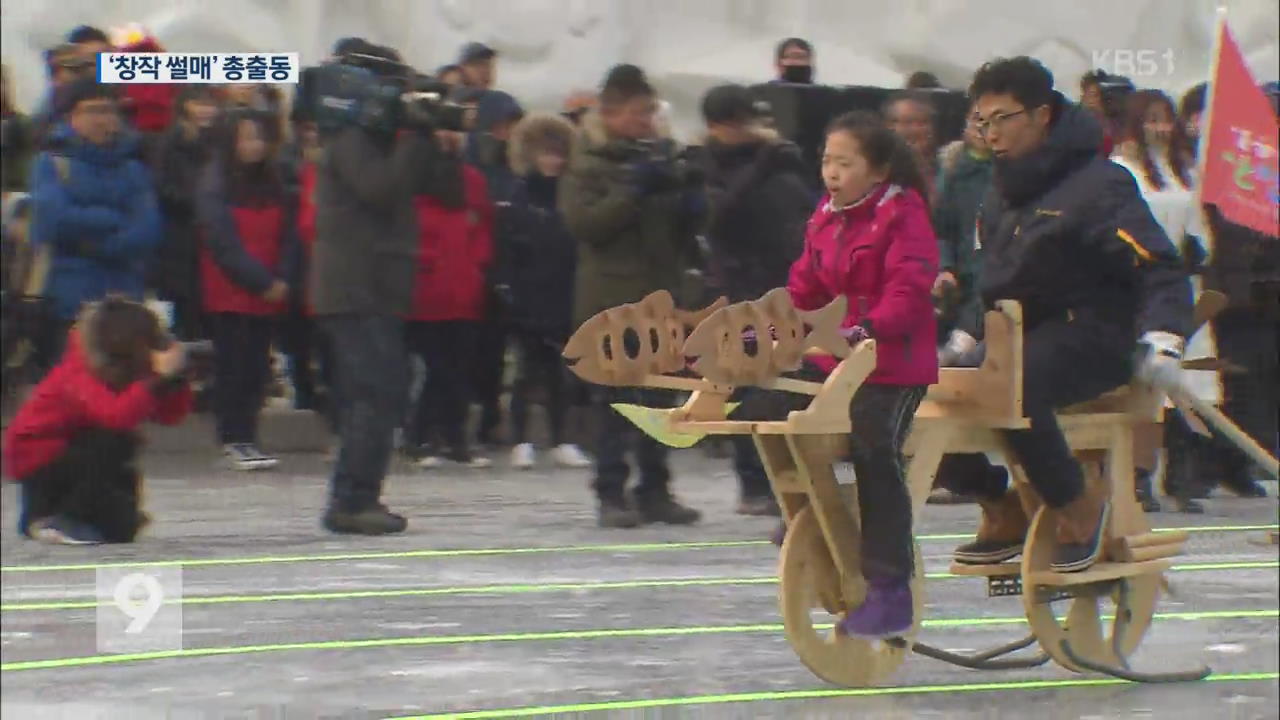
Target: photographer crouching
{"x":74,"y":443}
{"x":376,"y":141}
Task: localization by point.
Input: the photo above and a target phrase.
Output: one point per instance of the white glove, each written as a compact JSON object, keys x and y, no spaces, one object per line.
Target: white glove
{"x":1161,"y":364}
{"x":959,"y":344}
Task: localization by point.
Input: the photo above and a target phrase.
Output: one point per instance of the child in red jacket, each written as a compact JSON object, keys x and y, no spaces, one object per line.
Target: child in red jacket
{"x":871,"y":241}
{"x":73,"y":444}
{"x":249,"y":255}
{"x":455,"y":229}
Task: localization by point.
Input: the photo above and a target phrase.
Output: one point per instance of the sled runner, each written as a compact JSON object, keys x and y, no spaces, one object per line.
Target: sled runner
{"x":1086,"y":621}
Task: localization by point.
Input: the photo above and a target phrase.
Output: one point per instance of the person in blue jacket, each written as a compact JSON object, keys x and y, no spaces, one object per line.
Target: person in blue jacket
{"x":94,"y":210}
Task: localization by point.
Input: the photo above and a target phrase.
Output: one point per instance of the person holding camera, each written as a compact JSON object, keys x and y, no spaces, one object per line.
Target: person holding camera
{"x":74,"y":443}
{"x":361,"y":285}
{"x":759,"y":205}
{"x":633,"y":213}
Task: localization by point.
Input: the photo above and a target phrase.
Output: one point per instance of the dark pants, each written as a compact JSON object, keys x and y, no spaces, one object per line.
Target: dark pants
{"x":757,"y":404}
{"x":242,"y":367}
{"x":94,"y":481}
{"x":487,"y":368}
{"x":615,"y":435}
{"x":441,"y":407}
{"x":370,"y":374}
{"x":305,"y":350}
{"x":540,"y":364}
{"x":881,"y":418}
{"x":189,"y":321}
{"x":1064,"y":362}
{"x":1247,"y":337}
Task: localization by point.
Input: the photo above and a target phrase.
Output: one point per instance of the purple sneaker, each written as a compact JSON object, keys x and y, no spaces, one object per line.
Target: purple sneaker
{"x":779,"y":534}
{"x":886,"y":612}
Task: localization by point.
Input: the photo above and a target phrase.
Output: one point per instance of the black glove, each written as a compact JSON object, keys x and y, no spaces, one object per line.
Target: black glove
{"x":650,"y":177}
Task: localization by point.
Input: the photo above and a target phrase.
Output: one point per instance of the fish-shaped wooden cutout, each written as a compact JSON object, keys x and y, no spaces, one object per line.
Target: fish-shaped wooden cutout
{"x":623,"y":345}
{"x":753,"y":342}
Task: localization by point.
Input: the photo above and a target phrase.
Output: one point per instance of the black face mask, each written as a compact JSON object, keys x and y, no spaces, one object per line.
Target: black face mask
{"x":802,"y":74}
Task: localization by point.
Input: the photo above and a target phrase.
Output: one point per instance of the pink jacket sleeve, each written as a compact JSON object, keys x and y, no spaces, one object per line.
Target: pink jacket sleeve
{"x":911,"y":264}
{"x":806,"y":288}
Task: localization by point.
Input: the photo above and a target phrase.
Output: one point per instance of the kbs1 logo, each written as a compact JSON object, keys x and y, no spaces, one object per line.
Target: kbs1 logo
{"x":1134,"y":63}
{"x":219,"y":68}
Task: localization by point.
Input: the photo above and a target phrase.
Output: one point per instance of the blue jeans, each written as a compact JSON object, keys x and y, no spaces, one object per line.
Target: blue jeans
{"x":371,"y":374}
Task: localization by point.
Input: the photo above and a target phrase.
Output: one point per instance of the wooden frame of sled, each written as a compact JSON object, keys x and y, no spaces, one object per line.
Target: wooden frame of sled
{"x":651,"y":344}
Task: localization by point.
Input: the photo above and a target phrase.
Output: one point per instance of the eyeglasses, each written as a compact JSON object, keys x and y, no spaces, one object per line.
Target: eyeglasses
{"x":997,"y":121}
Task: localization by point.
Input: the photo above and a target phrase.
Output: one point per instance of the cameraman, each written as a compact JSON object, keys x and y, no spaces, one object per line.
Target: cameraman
{"x":633,"y":213}
{"x":361,"y":286}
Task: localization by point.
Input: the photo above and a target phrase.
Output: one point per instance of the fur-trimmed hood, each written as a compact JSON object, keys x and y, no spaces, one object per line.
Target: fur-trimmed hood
{"x":535,"y":134}
{"x":593,"y":138}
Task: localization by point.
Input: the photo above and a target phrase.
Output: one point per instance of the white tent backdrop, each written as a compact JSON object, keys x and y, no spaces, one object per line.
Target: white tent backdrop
{"x":549,"y":47}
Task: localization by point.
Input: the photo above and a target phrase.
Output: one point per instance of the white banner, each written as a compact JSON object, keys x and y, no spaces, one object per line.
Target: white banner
{"x":165,"y":68}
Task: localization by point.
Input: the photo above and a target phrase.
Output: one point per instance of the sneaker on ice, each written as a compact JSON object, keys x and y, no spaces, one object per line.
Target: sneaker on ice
{"x":522,"y":456}
{"x":570,"y":456}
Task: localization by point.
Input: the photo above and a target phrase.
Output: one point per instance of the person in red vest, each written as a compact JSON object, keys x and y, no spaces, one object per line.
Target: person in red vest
{"x":249,"y":254}
{"x":455,"y":231}
{"x":74,"y":443}
{"x":300,"y":338}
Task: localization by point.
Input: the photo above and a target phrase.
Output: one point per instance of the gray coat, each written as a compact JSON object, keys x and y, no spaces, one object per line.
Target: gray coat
{"x":366,"y":248}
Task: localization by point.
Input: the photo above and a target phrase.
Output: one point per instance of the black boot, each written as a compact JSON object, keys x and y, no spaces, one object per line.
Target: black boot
{"x":617,"y":513}
{"x":376,"y":520}
{"x":662,"y":507}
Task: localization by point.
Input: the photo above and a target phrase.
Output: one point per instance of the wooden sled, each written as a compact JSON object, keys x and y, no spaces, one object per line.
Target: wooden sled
{"x":819,"y":566}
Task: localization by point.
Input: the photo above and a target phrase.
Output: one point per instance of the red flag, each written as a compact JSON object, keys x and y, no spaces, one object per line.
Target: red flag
{"x":1239,"y":153}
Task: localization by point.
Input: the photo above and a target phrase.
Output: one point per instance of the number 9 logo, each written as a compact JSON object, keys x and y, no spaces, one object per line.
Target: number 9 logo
{"x":140,"y":611}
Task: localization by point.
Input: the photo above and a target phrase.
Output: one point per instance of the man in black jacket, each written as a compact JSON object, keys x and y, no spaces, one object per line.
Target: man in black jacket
{"x":759,"y":201}
{"x":361,"y":286}
{"x":1066,"y":233}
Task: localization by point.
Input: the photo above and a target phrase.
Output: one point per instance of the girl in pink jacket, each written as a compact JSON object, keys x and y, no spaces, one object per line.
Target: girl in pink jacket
{"x":871,"y":241}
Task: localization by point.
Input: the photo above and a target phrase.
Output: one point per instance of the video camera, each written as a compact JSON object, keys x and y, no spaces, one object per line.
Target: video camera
{"x":376,"y":93}
{"x":679,"y":168}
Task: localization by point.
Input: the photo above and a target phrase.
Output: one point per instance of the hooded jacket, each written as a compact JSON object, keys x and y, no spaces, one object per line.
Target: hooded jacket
{"x":1064,"y":230}
{"x":630,"y":243}
{"x":540,"y":244}
{"x":962,"y":186}
{"x":102,"y":223}
{"x":759,"y":204}
{"x":881,"y":254}
{"x":74,"y":397}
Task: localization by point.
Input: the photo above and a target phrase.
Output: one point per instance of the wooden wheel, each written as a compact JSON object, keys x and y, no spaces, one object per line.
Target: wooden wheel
{"x":1129,"y":601}
{"x":809,"y":582}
